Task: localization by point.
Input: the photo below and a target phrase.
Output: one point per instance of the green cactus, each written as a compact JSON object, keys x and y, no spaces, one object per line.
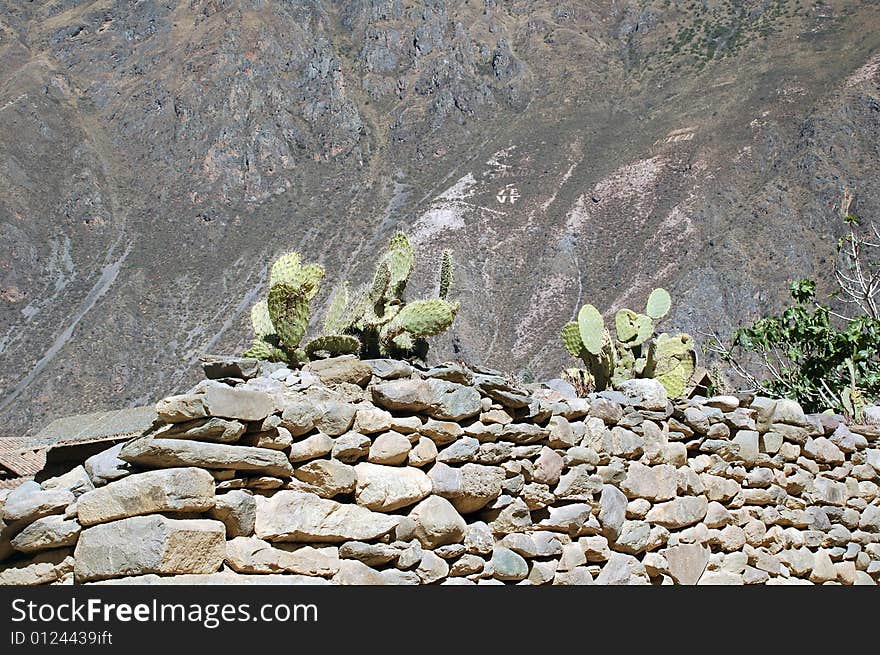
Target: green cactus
{"x":336,"y":319}
{"x":333,"y":345}
{"x":260,"y":319}
{"x":609,"y":362}
{"x":633,"y":329}
{"x":289,"y":311}
{"x":671,"y":361}
{"x":445,"y":274}
{"x":659,"y":303}
{"x":424,"y":318}
{"x":591,"y":326}
{"x":378,"y":322}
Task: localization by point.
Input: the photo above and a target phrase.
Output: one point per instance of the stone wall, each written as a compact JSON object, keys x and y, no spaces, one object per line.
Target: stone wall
{"x":373,"y":472}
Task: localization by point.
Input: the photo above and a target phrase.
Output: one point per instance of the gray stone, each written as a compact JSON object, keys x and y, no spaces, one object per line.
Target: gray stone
{"x":299,"y":417}
{"x":239,"y":403}
{"x":478,"y":538}
{"x":507,"y":565}
{"x":28,"y":502}
{"x":686,"y":562}
{"x":312,"y":447}
{"x":622,"y":569}
{"x":370,"y":420}
{"x":43,"y":568}
{"x":354,"y":572}
{"x":327,"y":477}
{"x":441,"y":433}
{"x":634,"y":537}
{"x":423,"y":453}
{"x":351,"y":447}
{"x":612,"y":511}
{"x":523,"y":433}
{"x":387,"y":488}
{"x":462,"y":450}
{"x":655,"y":483}
{"x":337,"y":370}
{"x":213,"y":429}
{"x":237,"y":510}
{"x":335,"y":418}
{"x":437,"y":522}
{"x":644,"y":392}
{"x":149,"y":544}
{"x":251,"y":555}
{"x":578,"y":576}
{"x":748,"y":445}
{"x":306,"y":517}
{"x":567,"y":518}
{"x":167,"y":453}
{"x":389,"y":369}
{"x":46,"y":533}
{"x":76,"y":481}
{"x":389,"y":448}
{"x":152,"y":492}
{"x":548,"y":467}
{"x":369,"y":554}
{"x":437,"y":398}
{"x":680,"y":512}
{"x":106,"y":466}
{"x":432,"y":568}
{"x":181,"y":408}
{"x":470,"y":487}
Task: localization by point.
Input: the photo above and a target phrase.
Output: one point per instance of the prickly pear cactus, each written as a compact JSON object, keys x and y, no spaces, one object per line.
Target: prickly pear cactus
{"x":289,"y":311}
{"x":609,"y":362}
{"x":591,"y":327}
{"x":260,"y":319}
{"x":633,"y":329}
{"x":445,"y":274}
{"x":659,"y":303}
{"x":671,"y":361}
{"x":333,"y":345}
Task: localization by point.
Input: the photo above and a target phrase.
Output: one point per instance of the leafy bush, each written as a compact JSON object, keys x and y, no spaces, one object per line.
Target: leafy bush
{"x":810,"y":352}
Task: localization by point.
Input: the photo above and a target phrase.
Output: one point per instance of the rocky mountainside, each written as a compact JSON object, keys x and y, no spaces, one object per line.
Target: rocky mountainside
{"x":155,"y":156}
{"x":375,"y":472}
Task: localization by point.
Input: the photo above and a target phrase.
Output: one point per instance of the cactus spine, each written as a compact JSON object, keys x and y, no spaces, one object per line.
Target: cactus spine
{"x":671,"y":359}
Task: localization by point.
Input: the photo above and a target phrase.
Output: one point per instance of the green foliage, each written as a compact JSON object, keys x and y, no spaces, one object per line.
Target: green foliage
{"x":811,"y":357}
{"x":671,"y":359}
{"x":377,"y":323}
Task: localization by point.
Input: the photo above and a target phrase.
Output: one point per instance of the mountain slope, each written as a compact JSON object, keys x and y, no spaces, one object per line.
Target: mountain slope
{"x":156,"y":156}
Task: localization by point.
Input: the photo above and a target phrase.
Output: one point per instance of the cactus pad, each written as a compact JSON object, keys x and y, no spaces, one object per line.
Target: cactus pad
{"x":591,"y":327}
{"x":659,"y":303}
{"x":445,"y":274}
{"x":260,"y":319}
{"x":671,"y":361}
{"x":633,"y":329}
{"x":333,"y":344}
{"x":424,"y":318}
{"x":289,"y":311}
{"x":284,"y":268}
{"x":571,"y":339}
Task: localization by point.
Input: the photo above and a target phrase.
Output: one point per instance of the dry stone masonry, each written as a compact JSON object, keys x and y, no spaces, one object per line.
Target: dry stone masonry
{"x":377,"y":472}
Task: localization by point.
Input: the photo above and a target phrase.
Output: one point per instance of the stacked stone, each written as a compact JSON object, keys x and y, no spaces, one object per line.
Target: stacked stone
{"x":376,"y":472}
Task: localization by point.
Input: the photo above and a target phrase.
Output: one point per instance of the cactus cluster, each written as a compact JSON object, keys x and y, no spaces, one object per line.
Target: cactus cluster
{"x":376,"y":322}
{"x":634,"y":351}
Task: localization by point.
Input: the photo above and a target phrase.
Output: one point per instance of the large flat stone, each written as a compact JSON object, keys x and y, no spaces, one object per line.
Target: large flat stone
{"x":149,"y":544}
{"x":168,"y":453}
{"x":168,"y":490}
{"x":387,"y":488}
{"x":47,"y":533}
{"x":28,"y":502}
{"x":251,"y":555}
{"x":306,"y":517}
{"x":44,"y":568}
{"x":231,"y":402}
{"x":436,"y":398}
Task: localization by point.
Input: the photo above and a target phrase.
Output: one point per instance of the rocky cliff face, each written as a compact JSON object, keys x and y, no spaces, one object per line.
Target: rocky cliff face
{"x":156,"y":155}
{"x":356,"y":471}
